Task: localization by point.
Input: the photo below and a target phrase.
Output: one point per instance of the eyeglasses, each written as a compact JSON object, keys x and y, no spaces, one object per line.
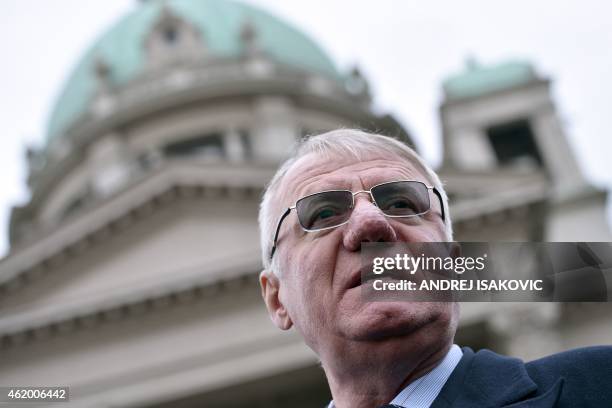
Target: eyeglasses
{"x":332,"y":208}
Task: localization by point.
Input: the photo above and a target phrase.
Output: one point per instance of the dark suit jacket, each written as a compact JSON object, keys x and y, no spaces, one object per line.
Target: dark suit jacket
{"x":576,"y":378}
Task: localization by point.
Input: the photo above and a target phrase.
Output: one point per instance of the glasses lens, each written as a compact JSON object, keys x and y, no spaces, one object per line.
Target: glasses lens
{"x":324,"y":210}
{"x":402,"y":198}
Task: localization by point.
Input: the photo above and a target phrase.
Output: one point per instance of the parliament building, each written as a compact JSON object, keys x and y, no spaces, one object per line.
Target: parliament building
{"x":132,"y":274}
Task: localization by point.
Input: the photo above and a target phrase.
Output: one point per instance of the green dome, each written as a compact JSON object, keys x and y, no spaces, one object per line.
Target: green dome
{"x":218,"y":21}
{"x":480,"y":80}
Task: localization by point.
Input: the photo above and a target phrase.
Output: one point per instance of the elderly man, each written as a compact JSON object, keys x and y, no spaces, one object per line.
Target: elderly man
{"x":347,"y":187}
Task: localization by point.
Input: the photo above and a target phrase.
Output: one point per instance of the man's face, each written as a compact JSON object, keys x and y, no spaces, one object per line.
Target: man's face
{"x":318,"y":284}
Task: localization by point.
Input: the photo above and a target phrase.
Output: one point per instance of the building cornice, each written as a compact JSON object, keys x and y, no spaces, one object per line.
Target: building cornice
{"x":198,"y":283}
{"x":173,"y":180}
{"x":511,"y":200}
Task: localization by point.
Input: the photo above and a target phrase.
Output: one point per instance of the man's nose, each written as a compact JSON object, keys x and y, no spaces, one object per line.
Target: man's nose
{"x":367,"y":224}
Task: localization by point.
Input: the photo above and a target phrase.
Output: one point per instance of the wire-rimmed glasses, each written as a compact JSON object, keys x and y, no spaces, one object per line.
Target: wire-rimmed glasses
{"x":333,"y":208}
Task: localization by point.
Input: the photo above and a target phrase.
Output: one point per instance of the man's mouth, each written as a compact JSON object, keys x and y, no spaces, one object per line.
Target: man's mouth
{"x":358,"y":279}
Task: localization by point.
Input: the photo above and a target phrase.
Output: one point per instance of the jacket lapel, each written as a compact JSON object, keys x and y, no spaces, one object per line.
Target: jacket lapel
{"x":487,"y":379}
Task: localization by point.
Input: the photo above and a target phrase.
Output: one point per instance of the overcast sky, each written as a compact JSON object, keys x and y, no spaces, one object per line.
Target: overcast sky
{"x":405,"y":48}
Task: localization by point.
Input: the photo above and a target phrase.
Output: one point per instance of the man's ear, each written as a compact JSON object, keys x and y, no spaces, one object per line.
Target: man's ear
{"x":270,"y":288}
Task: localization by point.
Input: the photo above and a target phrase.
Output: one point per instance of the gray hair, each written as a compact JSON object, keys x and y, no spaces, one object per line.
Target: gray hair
{"x":345,"y":143}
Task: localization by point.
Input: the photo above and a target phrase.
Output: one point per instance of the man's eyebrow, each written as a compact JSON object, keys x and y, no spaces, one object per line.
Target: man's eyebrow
{"x":344,"y":184}
{"x":325,"y":185}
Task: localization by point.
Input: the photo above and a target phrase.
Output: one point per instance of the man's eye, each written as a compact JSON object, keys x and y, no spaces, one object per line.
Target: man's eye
{"x":325,"y":213}
{"x":401,"y":204}
{"x":401,"y":207}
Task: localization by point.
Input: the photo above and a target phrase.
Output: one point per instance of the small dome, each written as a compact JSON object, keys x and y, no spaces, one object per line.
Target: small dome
{"x":219,"y":22}
{"x":479,"y":80}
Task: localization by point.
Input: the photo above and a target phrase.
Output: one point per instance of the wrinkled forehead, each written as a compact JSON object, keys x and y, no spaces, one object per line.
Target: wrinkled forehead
{"x":315,"y":172}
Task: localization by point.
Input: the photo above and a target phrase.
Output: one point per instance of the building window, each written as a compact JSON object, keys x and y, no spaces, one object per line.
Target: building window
{"x":171,"y":35}
{"x":209,"y":145}
{"x":247,"y":144}
{"x":514,"y":144}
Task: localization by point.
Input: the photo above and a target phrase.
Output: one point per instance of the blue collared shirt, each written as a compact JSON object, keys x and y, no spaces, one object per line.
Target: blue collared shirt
{"x":422,"y":392}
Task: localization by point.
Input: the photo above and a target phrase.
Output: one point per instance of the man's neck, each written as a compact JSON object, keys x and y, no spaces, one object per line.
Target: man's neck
{"x":377,"y":377}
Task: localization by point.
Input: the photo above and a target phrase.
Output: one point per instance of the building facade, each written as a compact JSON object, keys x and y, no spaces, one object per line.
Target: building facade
{"x":132,"y":273}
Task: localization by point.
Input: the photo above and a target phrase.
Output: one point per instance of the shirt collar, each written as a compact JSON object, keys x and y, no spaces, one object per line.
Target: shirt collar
{"x":423,"y":391}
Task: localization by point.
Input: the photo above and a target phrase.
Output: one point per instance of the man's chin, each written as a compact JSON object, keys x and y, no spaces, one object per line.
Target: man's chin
{"x":376,"y":321}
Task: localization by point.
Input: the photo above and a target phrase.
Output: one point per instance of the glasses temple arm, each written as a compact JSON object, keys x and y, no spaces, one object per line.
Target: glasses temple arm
{"x":280,"y":222}
{"x":437,"y":193}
